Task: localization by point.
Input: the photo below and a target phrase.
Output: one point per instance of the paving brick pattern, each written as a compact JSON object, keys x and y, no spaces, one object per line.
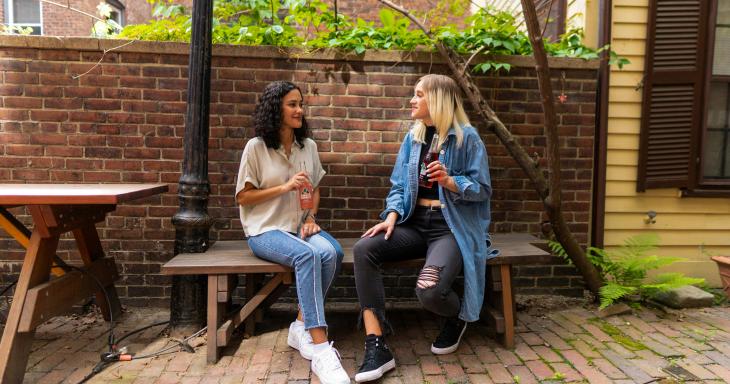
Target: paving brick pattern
{"x":571,"y":345}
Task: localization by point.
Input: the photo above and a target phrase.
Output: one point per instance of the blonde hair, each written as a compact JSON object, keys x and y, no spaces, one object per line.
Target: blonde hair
{"x":443,"y":97}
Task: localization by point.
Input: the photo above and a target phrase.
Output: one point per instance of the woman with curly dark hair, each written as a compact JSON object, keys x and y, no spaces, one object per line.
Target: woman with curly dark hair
{"x":278,"y":197}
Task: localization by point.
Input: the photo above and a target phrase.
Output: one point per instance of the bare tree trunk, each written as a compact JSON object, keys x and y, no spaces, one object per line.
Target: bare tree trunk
{"x":553,"y":202}
{"x":548,"y":193}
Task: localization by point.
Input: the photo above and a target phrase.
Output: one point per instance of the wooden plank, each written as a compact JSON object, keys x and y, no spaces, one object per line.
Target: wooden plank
{"x":508,"y":306}
{"x":213,"y":319}
{"x":21,"y":234}
{"x":226,"y":284}
{"x":494,"y":319}
{"x":14,"y":228}
{"x":90,"y":249}
{"x":286,"y":281}
{"x":253,"y":281}
{"x":57,"y":296}
{"x":68,"y":194}
{"x":62,"y":219}
{"x":236,"y":257}
{"x":225,"y":331}
{"x":15,"y":346}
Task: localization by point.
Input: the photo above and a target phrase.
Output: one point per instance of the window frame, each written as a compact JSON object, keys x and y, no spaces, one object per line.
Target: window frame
{"x":701,"y":181}
{"x":9,"y":18}
{"x":120,"y":9}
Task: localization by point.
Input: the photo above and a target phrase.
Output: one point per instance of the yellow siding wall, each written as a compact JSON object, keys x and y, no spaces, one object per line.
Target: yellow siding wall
{"x":692,"y":228}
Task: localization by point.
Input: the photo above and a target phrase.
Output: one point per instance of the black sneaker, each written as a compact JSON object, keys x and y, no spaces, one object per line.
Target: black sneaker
{"x":448,"y":340}
{"x":377,"y":361}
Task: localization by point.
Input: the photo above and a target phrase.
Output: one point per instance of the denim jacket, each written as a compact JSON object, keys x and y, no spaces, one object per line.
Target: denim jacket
{"x":466,"y":212}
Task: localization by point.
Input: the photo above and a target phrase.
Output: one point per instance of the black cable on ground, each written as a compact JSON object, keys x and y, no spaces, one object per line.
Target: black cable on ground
{"x":141,"y":329}
{"x":8,"y":287}
{"x":109,"y":358}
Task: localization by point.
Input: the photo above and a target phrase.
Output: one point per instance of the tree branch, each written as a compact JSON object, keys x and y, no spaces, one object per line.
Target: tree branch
{"x":68,"y":6}
{"x":478,"y":51}
{"x":553,"y":203}
{"x":102,"y":58}
{"x":548,"y":193}
{"x":547,"y":19}
{"x":408,"y":15}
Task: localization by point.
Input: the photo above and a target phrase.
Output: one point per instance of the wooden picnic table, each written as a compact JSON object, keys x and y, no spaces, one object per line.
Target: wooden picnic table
{"x":57,"y":209}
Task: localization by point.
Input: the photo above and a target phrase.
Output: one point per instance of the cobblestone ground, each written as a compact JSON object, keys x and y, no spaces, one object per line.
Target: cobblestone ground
{"x":570,"y":345}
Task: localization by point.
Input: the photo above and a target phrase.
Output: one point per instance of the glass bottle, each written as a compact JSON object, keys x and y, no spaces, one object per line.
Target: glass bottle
{"x":431,"y":156}
{"x":306,"y":200}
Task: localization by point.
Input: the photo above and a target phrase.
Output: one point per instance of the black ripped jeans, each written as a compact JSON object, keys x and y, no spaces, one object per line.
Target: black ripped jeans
{"x":425,"y":233}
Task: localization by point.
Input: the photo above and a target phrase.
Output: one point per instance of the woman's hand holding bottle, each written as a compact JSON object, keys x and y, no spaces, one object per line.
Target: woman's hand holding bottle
{"x":297,"y":181}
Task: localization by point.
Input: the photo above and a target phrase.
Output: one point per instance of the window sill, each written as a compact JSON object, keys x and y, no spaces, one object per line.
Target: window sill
{"x":705,"y":193}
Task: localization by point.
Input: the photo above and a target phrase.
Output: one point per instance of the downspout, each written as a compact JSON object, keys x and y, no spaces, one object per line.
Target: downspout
{"x":600,"y":147}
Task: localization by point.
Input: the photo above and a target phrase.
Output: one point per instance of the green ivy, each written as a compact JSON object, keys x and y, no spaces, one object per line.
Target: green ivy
{"x":312,"y":24}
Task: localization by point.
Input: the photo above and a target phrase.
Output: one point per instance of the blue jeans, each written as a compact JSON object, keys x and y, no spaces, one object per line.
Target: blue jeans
{"x":316,"y":261}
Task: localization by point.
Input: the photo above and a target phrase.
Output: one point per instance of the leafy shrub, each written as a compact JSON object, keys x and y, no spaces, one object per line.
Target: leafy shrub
{"x":312,"y":24}
{"x":624,"y":270}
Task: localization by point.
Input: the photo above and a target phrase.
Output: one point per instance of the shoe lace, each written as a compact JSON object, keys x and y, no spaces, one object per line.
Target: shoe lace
{"x":331,"y":359}
{"x":371,"y":351}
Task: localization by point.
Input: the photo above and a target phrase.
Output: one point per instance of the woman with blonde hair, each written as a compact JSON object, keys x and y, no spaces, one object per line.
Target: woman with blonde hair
{"x":438,"y":207}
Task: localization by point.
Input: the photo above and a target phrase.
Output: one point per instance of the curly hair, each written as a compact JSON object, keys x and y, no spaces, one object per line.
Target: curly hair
{"x":267,"y":115}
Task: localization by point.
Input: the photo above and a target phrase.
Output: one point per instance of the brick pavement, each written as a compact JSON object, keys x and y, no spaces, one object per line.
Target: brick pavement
{"x":569,"y":345}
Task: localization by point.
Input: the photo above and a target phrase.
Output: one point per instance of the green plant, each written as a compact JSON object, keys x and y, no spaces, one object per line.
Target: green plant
{"x":559,"y":376}
{"x":312,"y":25}
{"x":624,"y":270}
{"x":15,"y":30}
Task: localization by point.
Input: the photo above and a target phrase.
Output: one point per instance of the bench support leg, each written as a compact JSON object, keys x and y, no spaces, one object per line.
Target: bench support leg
{"x":215,"y":314}
{"x":507,"y":306}
{"x":253,"y":281}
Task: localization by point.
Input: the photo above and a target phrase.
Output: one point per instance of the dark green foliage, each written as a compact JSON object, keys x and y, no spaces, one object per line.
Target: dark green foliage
{"x":624,"y":270}
{"x":311,"y":25}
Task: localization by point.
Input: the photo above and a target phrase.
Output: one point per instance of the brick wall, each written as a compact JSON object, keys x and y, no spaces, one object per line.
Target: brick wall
{"x":61,"y":21}
{"x":123,"y":122}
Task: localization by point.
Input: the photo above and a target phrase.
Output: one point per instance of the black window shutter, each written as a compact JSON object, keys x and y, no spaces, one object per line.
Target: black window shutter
{"x":671,"y":114}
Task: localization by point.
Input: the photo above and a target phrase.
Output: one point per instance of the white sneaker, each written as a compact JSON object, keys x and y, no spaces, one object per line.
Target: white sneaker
{"x":300,"y":339}
{"x":326,"y":365}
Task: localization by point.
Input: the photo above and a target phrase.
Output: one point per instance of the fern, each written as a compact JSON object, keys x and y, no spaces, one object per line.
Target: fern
{"x":612,"y":292}
{"x":624,"y":269}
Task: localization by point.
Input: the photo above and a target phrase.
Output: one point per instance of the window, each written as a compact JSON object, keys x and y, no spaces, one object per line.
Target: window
{"x":24,"y":13}
{"x":716,"y":159}
{"x":685,"y":130}
{"x":117,"y":13}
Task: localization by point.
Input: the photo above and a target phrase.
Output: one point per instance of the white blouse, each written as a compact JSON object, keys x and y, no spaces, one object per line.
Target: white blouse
{"x":265,"y":168}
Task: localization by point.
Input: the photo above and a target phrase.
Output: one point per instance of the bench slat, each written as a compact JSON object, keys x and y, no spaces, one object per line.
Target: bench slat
{"x":236,"y":257}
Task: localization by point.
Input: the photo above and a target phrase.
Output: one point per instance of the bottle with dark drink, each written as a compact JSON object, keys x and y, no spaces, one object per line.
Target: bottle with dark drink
{"x":306,"y":200}
{"x":431,"y":156}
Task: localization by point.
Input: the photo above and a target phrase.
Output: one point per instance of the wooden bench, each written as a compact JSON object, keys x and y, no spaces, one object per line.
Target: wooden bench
{"x":225,"y":260}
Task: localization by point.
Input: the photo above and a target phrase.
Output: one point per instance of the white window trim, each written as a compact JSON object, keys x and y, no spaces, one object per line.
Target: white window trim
{"x":9,"y":16}
{"x":120,"y":11}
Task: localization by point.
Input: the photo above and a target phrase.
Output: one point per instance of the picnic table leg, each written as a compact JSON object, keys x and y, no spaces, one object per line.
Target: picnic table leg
{"x":87,"y":240}
{"x":21,"y":234}
{"x":507,"y":306}
{"x":15,"y":347}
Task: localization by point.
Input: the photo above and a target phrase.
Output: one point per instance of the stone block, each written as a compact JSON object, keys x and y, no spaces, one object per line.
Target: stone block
{"x":687,"y":296}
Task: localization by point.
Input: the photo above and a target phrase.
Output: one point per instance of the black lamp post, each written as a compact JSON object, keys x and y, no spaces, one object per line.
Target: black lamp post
{"x":192,"y":223}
